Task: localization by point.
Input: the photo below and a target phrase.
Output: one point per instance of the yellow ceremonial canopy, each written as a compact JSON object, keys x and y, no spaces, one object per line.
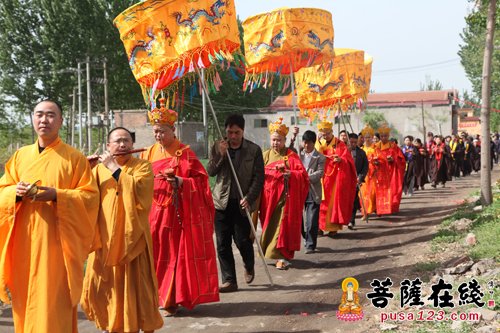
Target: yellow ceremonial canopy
{"x":287,"y":39}
{"x":368,"y":74}
{"x":165,"y":40}
{"x":341,"y":81}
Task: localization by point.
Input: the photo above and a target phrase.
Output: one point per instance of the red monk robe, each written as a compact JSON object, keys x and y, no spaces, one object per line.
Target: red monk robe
{"x":339,"y":185}
{"x":183,"y":247}
{"x":389,"y":194}
{"x":45,"y":244}
{"x":282,"y":204}
{"x":376,"y":183}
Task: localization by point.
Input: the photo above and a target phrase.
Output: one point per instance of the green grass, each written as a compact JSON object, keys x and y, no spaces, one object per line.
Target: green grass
{"x":486,"y":227}
{"x":426,"y":266}
{"x":444,"y":327}
{"x":487,"y":231}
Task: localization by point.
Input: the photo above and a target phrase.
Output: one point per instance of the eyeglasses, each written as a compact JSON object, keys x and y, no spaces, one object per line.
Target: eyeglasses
{"x":120,"y":141}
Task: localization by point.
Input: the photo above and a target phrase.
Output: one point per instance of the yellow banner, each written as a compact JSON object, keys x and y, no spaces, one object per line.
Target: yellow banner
{"x":165,"y":39}
{"x":338,"y":83}
{"x":287,"y":39}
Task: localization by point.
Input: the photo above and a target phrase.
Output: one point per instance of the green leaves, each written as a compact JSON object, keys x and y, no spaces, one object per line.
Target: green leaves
{"x":42,"y":42}
{"x":472,"y":50}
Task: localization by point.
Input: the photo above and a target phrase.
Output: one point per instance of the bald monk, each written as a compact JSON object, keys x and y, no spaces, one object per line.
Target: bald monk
{"x":120,"y":291}
{"x":46,"y":236}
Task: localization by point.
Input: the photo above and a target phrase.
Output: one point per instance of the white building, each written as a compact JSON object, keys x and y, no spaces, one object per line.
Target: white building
{"x":409,"y":113}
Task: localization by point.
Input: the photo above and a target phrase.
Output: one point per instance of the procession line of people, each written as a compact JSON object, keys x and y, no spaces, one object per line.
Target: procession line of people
{"x":144,"y":226}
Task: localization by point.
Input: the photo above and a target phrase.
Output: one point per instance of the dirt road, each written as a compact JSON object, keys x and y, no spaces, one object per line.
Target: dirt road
{"x":305,"y":298}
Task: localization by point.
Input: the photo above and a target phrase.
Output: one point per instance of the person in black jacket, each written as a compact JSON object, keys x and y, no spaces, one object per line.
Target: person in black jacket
{"x":361,"y":163}
{"x":230,"y":219}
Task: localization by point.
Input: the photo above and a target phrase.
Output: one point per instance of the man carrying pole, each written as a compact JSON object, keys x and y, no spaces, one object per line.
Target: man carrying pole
{"x":230,"y":219}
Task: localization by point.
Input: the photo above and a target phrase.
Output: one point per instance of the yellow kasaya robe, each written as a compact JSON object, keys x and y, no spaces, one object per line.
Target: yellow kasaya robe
{"x":369,"y":187}
{"x":120,"y":292}
{"x":44,"y":244}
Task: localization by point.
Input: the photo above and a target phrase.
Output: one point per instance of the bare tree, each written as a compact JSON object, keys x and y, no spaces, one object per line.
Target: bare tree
{"x":486,"y":194}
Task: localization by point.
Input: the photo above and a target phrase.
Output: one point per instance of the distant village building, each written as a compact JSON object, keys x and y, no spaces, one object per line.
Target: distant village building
{"x":469,"y":123}
{"x":409,"y":113}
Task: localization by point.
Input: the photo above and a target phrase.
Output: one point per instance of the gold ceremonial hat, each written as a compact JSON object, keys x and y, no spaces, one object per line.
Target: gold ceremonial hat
{"x":278,"y":127}
{"x":368,"y":131}
{"x":384,"y":129}
{"x":325,"y":125}
{"x":162,"y":115}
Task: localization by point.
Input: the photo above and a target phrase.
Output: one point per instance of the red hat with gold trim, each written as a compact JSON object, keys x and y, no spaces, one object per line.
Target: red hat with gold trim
{"x":278,"y":127}
{"x":325,"y":125}
{"x":162,"y":115}
{"x":384,"y":129}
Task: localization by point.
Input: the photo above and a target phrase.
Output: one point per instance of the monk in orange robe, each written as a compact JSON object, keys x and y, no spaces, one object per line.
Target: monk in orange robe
{"x":46,"y":231}
{"x":339,"y":181}
{"x":181,"y":219}
{"x":120,"y":291}
{"x":286,"y":184}
{"x":374,"y":178}
{"x":392,"y":163}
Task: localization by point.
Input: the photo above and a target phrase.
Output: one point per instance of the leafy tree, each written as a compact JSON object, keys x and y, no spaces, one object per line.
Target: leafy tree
{"x":42,"y":42}
{"x":431,"y":85}
{"x":472,"y":51}
{"x":375,"y":119}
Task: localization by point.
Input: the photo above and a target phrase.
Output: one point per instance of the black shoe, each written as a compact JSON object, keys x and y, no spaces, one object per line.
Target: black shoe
{"x":228,"y":287}
{"x":309,"y":251}
{"x":350,"y":226}
{"x":249,"y":276}
{"x":433,"y":185}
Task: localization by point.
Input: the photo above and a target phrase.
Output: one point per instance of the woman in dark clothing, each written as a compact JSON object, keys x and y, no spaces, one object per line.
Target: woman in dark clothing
{"x":467,"y":165}
{"x":441,"y":166}
{"x":476,"y":155}
{"x":409,"y":154}
{"x":420,"y":165}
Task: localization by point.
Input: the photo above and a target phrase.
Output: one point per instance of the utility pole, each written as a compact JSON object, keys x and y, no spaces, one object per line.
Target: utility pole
{"x":72,"y":119}
{"x":423,"y":121}
{"x":89,"y":108}
{"x":106,"y":117}
{"x":80,"y":135}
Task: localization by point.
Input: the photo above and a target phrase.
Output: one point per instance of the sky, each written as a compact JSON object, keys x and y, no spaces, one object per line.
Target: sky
{"x":411,"y":42}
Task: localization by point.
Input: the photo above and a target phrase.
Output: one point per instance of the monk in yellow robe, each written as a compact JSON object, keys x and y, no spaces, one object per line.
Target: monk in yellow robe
{"x":374,"y":177}
{"x":120,"y":291}
{"x":46,"y":235}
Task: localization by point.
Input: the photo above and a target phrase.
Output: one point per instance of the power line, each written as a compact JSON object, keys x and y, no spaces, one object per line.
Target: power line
{"x":414,"y":70}
{"x":417,"y":67}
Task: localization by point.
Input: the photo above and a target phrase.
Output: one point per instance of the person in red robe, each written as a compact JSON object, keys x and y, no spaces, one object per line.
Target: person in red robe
{"x":181,"y":219}
{"x":286,"y":184}
{"x":392,"y":163}
{"x":441,"y":163}
{"x":339,"y":181}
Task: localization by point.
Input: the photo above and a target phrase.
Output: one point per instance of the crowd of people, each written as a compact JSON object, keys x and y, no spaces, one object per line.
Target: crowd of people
{"x":144,"y":226}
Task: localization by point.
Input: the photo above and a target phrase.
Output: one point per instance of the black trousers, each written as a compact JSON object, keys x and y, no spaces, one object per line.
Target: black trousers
{"x":355,"y":207}
{"x":311,"y":225}
{"x":231,"y":224}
